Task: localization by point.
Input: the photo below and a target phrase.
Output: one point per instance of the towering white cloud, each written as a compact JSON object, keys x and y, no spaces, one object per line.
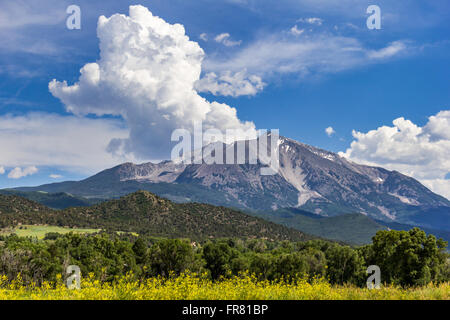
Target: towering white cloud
{"x":146,"y":73}
{"x":421,"y":152}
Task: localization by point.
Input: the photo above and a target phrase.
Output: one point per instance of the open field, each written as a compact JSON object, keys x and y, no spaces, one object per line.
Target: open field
{"x":196,"y":288}
{"x":39,"y":231}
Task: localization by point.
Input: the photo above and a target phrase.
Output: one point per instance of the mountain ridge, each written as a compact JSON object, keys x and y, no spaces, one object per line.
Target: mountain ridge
{"x":309,"y":178}
{"x":148,"y":214}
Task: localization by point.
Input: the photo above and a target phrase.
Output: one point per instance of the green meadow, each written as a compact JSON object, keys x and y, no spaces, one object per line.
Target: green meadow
{"x":39,"y":231}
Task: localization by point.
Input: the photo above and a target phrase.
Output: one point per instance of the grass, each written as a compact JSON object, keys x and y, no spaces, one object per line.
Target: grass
{"x":123,"y":232}
{"x":192,"y":287}
{"x":39,"y":231}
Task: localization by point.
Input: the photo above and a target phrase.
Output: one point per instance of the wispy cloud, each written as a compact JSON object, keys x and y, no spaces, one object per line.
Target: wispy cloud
{"x":296,"y":31}
{"x":41,"y":139}
{"x":21,"y":22}
{"x":391,"y":50}
{"x":312,"y":20}
{"x":20,"y":13}
{"x":225,"y":39}
{"x":317,"y":53}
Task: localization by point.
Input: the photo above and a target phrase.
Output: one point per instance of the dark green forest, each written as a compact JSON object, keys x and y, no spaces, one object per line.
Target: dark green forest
{"x":407,"y":258}
{"x":147,"y":214}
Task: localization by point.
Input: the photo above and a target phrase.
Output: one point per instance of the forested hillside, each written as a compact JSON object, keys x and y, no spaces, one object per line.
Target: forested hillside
{"x":147,"y":214}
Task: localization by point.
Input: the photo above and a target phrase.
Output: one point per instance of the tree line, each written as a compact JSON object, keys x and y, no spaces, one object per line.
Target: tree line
{"x":407,"y":258}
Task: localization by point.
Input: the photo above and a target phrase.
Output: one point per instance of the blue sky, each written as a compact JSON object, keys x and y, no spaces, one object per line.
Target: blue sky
{"x":306,"y":66}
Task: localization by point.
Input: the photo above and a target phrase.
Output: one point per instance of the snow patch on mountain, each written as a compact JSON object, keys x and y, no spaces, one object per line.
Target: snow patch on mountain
{"x":292,"y":172}
{"x":405,"y":199}
{"x":386,"y":212}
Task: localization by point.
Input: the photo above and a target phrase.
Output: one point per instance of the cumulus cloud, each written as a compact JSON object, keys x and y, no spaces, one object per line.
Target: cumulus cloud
{"x":203,"y":37}
{"x":229,"y":84}
{"x":439,"y":186}
{"x":438,"y":126}
{"x":225,"y":39}
{"x":420,"y":152}
{"x":146,"y":74}
{"x":76,"y":144}
{"x":329,"y":131}
{"x":18,"y":172}
{"x":55,"y":176}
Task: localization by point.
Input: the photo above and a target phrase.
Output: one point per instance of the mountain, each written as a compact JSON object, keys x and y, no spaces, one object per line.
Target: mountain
{"x":145,"y":213}
{"x":351,"y":228}
{"x":15,"y":210}
{"x":141,"y":212}
{"x":60,"y":200}
{"x":16,"y":205}
{"x":309,"y":178}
